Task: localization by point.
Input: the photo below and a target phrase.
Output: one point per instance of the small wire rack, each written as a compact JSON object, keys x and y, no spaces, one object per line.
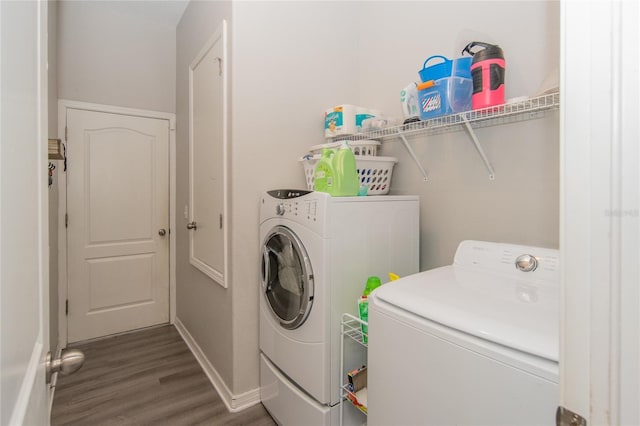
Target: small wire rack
{"x":352,"y":328}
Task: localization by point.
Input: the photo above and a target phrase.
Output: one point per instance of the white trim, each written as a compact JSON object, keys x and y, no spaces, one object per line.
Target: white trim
{"x":43,"y":219}
{"x":62,"y":232}
{"x":29,"y":387}
{"x":63,"y":106}
{"x":87,"y":106}
{"x":220,"y":277}
{"x":599,"y":216}
{"x":173,"y":230}
{"x":234,"y":403}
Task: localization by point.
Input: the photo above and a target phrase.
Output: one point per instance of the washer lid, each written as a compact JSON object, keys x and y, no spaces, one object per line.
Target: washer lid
{"x":521,"y":314}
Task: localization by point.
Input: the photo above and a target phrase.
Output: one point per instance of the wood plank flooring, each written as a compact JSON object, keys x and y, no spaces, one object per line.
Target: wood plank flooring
{"x":148,"y":377}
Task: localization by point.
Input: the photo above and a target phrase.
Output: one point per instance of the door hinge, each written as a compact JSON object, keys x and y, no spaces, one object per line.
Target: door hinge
{"x":66,"y":133}
{"x":66,"y":307}
{"x":220,"y":221}
{"x":566,"y":417}
{"x":66,"y":220}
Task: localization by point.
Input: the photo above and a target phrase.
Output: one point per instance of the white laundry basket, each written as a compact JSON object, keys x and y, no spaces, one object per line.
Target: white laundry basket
{"x":374,"y":172}
{"x":364,"y":147}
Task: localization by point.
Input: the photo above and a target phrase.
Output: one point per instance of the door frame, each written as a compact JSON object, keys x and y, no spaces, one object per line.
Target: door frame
{"x":219,"y":277}
{"x":599,"y":211}
{"x":33,"y":396}
{"x":63,"y":106}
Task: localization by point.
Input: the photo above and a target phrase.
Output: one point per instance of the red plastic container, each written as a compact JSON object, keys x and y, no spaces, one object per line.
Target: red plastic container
{"x":487,"y":72}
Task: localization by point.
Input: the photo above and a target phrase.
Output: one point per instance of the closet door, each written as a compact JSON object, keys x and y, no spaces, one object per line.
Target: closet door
{"x":208,"y":158}
{"x":117,"y":235}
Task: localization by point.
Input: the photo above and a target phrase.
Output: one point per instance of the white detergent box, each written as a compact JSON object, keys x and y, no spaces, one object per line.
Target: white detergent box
{"x":345,"y":120}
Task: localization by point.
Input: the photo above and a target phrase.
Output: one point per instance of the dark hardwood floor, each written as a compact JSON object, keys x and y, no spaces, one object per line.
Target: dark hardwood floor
{"x":148,"y":377}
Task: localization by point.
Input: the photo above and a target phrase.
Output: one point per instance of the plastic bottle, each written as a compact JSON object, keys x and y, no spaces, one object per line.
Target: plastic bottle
{"x":372,"y":284}
{"x":487,"y":72}
{"x":324,"y":174}
{"x":363,"y":305}
{"x":409,"y":100}
{"x":345,"y":173}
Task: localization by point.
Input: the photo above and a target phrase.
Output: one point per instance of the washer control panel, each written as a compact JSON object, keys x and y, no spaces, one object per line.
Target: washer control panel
{"x":287,"y":194}
{"x":290,"y":204}
{"x":517,"y":261}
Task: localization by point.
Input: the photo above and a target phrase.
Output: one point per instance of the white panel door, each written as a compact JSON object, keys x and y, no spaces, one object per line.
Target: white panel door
{"x":118,"y":236}
{"x":207,"y":136}
{"x":24,"y":252}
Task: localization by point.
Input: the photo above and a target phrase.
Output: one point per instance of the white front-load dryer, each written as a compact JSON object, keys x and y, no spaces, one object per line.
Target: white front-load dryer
{"x":317,"y":253}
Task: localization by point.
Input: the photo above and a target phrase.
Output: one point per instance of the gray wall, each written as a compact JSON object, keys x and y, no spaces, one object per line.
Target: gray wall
{"x":459,"y":201}
{"x":291,"y":60}
{"x":117,"y":53}
{"x":203,"y":306}
{"x":275,"y":48}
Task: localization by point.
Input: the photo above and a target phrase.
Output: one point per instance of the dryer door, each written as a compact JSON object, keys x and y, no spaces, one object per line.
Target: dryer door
{"x":287,"y":278}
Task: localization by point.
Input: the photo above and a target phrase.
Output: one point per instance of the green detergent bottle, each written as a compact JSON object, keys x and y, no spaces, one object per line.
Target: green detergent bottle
{"x":323,"y":177}
{"x":363,"y":305}
{"x":345,"y":174}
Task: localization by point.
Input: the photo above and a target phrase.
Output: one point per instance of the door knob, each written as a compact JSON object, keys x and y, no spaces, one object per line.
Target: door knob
{"x":162,"y":232}
{"x":192,"y":225}
{"x":70,"y":362}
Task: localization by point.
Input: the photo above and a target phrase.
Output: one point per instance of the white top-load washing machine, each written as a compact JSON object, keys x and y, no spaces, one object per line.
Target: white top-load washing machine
{"x":317,"y":252}
{"x":473,"y":343}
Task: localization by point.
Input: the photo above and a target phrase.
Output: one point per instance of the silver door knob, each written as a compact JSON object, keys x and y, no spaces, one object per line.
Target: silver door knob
{"x":192,"y":225}
{"x":70,"y":362}
{"x":162,"y":232}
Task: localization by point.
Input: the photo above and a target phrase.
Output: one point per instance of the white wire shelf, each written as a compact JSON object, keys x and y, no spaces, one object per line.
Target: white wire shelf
{"x":469,"y":120}
{"x":500,"y":114}
{"x":352,"y":328}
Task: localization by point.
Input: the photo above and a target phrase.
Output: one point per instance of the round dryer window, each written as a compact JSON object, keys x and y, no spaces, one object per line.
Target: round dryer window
{"x":287,"y":278}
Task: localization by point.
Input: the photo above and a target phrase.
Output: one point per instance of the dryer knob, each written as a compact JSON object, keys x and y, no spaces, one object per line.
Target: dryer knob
{"x":280,"y":209}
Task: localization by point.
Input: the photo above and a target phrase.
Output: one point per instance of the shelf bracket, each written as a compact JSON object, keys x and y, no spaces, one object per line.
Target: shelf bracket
{"x":476,"y":142}
{"x":413,"y":155}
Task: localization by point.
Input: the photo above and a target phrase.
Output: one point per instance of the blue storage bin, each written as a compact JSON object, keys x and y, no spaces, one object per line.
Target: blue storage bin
{"x":447,"y":96}
{"x":460,"y":67}
{"x":436,"y":71}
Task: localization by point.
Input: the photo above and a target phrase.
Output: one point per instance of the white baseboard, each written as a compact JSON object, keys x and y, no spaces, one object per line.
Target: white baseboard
{"x":233,"y":402}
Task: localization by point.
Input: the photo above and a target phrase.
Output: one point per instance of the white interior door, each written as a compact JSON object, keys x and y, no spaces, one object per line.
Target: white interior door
{"x":24,"y":252}
{"x":118,"y":234}
{"x":207,"y":146}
